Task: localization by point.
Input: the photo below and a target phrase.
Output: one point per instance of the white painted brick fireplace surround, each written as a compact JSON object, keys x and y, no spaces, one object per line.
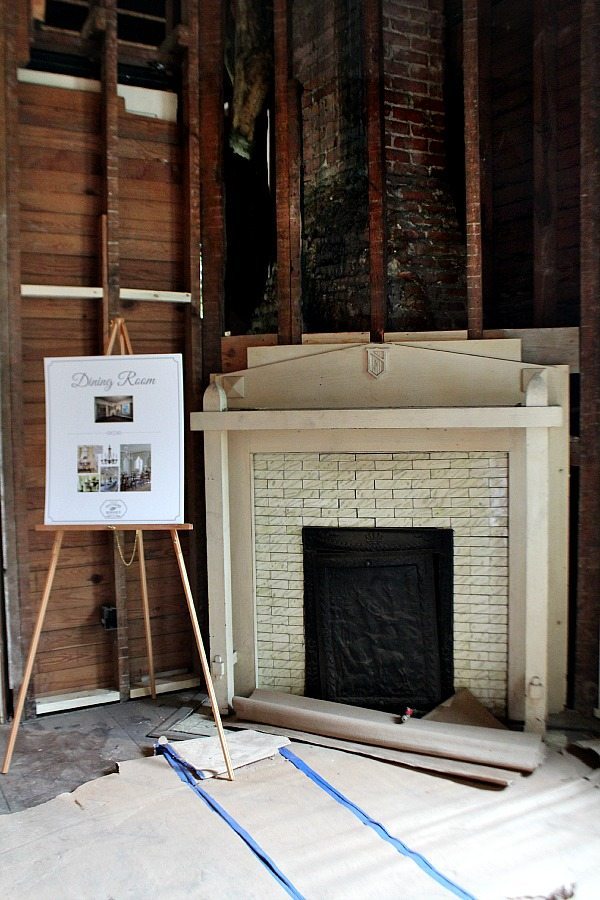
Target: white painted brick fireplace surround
{"x":459,"y":435}
{"x":464,"y":491}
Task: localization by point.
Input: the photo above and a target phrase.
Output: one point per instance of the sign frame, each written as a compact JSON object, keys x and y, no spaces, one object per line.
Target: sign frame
{"x":114,"y":440}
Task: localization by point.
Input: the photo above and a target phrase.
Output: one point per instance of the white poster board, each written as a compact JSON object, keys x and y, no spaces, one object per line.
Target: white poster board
{"x":114,"y":440}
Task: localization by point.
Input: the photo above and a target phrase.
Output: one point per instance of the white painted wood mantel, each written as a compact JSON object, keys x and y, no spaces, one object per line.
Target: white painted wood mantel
{"x":473,"y":395}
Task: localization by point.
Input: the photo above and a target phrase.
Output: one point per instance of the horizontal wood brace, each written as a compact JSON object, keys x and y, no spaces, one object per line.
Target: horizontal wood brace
{"x":66,"y":292}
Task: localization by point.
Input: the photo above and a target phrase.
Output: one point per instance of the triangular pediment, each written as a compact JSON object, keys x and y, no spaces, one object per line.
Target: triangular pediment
{"x":367,"y":376}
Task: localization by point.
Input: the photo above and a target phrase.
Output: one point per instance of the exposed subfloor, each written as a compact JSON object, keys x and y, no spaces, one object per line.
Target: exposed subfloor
{"x":59,"y":752}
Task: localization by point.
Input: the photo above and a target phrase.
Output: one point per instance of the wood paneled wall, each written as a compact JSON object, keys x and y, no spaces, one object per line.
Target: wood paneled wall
{"x":61,"y":204}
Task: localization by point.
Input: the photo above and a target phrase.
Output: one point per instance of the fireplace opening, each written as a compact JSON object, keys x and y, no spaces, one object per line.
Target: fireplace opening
{"x":378,"y":616}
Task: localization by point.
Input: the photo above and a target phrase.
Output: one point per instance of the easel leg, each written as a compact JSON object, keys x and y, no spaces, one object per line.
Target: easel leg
{"x":32,"y":652}
{"x":146,"y":608}
{"x":201,"y":651}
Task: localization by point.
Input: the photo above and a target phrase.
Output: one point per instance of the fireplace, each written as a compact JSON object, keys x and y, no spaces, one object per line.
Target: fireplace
{"x":460,"y":436}
{"x":463,"y":492}
{"x":378,"y":622}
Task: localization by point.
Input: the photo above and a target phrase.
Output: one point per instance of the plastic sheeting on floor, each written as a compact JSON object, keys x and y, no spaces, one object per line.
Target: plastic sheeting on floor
{"x":143,"y":832}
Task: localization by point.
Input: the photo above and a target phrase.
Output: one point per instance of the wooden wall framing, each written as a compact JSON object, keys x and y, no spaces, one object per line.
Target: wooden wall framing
{"x":86,"y":160}
{"x":376,"y":175}
{"x":163,"y":202}
{"x":588,"y":599}
{"x":287,"y":181}
{"x":13,"y":528}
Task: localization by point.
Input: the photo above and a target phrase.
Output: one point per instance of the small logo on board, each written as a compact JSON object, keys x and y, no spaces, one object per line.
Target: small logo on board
{"x":113,"y":509}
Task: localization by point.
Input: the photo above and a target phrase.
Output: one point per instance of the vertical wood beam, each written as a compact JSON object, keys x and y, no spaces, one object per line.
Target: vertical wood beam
{"x":110,"y":122}
{"x":287,"y":181}
{"x":476,"y":61}
{"x":588,"y":576}
{"x":375,"y":130}
{"x":13,"y":504}
{"x":544,"y":163}
{"x":212,"y":189}
{"x":111,"y":283}
{"x":194,"y":463}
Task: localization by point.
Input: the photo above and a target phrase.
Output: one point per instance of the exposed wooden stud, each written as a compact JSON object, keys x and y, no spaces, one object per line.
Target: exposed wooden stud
{"x":476,"y":34}
{"x":13,"y":500}
{"x":375,"y":128}
{"x":588,"y":575}
{"x":295,"y":207}
{"x":110,"y":283}
{"x":193,"y":373}
{"x":211,"y":64}
{"x":287,"y":181}
{"x":110,"y":113}
{"x":25,"y":18}
{"x":544,"y":163}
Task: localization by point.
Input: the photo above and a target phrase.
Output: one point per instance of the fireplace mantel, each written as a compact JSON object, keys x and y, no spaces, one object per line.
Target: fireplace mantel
{"x":393,"y":398}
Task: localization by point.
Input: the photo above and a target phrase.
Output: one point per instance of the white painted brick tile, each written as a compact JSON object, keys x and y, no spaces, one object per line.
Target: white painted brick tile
{"x":357,"y":465}
{"x":309,"y":484}
{"x":337,"y":494}
{"x":371,"y":494}
{"x":329,"y":503}
{"x":432,"y":463}
{"x":450,"y":492}
{"x":405,"y":498}
{"x":328,"y":465}
{"x":406,"y":474}
{"x":462,"y":468}
{"x":425,"y":519}
{"x":268,"y":492}
{"x":361,"y":480}
{"x":431,"y":483}
{"x":294,"y":484}
{"x":325,"y":479}
{"x":407,"y":495}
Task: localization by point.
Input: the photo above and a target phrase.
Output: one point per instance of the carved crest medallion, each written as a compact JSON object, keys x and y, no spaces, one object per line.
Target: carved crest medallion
{"x":376,"y":361}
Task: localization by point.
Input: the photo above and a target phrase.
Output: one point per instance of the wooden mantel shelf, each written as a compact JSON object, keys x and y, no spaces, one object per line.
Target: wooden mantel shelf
{"x":318,"y":419}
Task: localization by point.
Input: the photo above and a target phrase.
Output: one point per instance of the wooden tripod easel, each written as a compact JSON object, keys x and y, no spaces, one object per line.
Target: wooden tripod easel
{"x":119,"y":330}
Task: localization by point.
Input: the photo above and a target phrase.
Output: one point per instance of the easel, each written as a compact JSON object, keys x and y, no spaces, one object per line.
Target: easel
{"x":119,"y":329}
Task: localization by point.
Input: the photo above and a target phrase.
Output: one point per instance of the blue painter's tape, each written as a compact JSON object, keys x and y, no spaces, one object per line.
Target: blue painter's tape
{"x":377,"y":827}
{"x":184,"y":771}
